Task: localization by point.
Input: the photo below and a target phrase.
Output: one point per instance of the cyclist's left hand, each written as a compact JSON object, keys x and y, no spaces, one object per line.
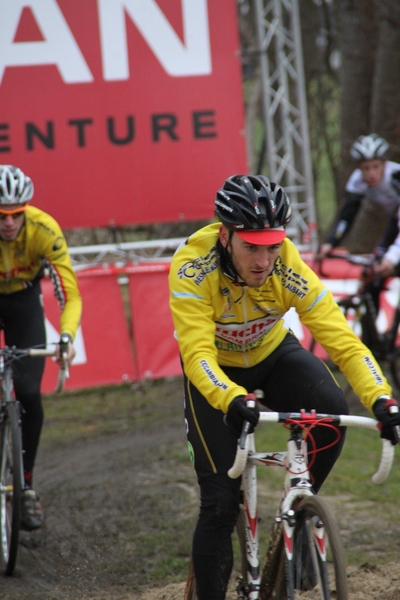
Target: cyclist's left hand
{"x":239,"y":412}
{"x":390,"y":421}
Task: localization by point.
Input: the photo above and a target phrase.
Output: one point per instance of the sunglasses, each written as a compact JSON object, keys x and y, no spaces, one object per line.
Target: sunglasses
{"x":15,"y":214}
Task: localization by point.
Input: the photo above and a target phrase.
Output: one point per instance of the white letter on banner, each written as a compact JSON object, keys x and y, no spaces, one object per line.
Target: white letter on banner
{"x":179,"y":60}
{"x":58,"y":48}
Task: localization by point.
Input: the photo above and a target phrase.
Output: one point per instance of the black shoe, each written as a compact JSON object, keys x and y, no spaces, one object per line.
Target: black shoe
{"x":32,"y":516}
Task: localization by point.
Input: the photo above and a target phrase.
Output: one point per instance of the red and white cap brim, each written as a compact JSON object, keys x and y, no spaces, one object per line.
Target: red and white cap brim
{"x":263,"y":237}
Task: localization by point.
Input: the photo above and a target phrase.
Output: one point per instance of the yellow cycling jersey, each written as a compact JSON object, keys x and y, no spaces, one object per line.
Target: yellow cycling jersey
{"x":218,"y":323}
{"x":41,"y":243}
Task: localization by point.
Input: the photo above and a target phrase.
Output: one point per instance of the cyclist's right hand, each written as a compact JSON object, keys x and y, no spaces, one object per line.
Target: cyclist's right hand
{"x":386,"y":410}
{"x":239,"y":412}
{"x":385,"y":268}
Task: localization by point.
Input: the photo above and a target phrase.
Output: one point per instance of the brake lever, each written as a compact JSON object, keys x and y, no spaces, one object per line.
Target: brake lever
{"x":246,"y":426}
{"x":64,"y":340}
{"x":393,"y":409}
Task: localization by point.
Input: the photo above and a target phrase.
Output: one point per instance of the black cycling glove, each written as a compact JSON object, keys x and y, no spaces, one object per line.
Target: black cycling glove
{"x":239,"y":412}
{"x":386,"y":410}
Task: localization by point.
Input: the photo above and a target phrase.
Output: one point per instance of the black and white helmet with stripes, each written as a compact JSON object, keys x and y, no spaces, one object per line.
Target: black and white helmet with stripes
{"x":15,"y":186}
{"x":369,"y":147}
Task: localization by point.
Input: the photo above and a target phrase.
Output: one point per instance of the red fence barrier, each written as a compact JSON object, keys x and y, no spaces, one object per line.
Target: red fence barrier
{"x":127,"y":331}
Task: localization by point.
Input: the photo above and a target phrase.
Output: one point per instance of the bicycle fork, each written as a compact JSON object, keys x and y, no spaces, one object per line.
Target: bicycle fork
{"x":297,"y":486}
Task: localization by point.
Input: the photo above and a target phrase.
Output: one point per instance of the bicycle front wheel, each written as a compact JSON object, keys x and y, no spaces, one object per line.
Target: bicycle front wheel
{"x":318,"y":566}
{"x":11,"y":486}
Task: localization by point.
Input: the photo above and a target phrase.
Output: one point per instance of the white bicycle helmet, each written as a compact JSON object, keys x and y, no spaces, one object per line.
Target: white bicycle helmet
{"x":369,"y":147}
{"x":15,"y":186}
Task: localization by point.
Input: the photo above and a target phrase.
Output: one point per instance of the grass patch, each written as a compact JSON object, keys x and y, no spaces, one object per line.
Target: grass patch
{"x":83,"y":414}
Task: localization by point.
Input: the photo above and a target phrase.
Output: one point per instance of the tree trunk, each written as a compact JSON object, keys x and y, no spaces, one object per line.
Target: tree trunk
{"x":385,"y":106}
{"x":357,"y":36}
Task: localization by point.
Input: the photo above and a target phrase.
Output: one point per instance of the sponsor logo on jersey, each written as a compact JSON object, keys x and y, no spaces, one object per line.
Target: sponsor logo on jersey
{"x":373,"y":370}
{"x":245,"y":333}
{"x":211,"y":376}
{"x":200,"y":267}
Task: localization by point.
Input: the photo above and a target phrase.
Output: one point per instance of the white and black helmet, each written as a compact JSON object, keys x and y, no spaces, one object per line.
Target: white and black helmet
{"x":369,"y":147}
{"x":15,"y":186}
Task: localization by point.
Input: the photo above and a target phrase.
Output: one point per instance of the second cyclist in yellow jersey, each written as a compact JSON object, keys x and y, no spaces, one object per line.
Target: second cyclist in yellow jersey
{"x":30,"y":242}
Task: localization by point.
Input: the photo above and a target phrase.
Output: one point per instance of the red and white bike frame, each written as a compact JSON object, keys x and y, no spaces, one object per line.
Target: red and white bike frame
{"x":297,"y":483}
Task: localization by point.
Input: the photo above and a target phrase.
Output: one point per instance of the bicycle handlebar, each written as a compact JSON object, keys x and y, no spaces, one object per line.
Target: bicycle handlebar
{"x":35,"y":352}
{"x":40,"y":351}
{"x":363,"y":260}
{"x":312,"y":418}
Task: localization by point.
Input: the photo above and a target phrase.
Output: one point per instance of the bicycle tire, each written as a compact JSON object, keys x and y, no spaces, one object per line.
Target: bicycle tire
{"x":308,"y":575}
{"x":190,"y":589}
{"x":351,"y":314}
{"x":11,"y":486}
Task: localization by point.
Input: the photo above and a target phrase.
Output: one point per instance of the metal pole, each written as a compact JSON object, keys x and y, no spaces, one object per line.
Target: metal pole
{"x":285,"y":112}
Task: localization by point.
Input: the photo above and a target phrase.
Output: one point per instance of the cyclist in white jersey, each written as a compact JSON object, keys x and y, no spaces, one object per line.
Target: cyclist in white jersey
{"x":389,"y":264}
{"x":376,"y":180}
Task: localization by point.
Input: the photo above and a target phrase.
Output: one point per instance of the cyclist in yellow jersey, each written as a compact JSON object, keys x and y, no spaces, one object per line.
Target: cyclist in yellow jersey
{"x":231,"y":283}
{"x":30,"y":241}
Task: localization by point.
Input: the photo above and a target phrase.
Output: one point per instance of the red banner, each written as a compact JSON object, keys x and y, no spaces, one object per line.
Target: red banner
{"x":103,"y":344}
{"x":122,"y":110}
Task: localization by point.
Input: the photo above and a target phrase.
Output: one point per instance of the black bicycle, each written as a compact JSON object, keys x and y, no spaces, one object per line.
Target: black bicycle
{"x":11,"y":466}
{"x":361,"y":313}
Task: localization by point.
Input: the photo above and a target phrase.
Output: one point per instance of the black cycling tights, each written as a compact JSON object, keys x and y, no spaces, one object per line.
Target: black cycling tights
{"x":23,"y":318}
{"x":292,"y":378}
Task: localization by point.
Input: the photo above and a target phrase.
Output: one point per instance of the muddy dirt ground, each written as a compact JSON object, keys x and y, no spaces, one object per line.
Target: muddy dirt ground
{"x":120,"y":509}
